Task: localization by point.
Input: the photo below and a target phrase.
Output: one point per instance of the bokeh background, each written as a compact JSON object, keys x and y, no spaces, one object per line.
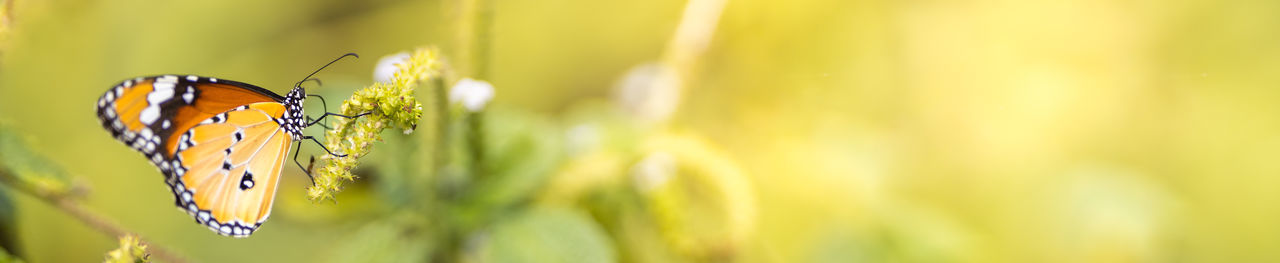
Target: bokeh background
{"x":843,"y":130}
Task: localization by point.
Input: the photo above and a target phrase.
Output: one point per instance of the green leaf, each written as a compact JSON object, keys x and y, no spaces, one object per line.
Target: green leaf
{"x":384,"y":241}
{"x":8,"y":223}
{"x":548,"y":235}
{"x":520,"y":152}
{"x":28,"y":168}
{"x":5,"y":257}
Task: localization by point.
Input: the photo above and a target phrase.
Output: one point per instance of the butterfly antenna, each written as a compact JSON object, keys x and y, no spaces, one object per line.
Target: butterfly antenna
{"x":313,"y":73}
{"x":318,"y":83}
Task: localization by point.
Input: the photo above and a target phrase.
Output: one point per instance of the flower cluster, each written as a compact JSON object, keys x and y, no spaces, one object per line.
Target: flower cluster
{"x":389,"y":104}
{"x":131,"y":251}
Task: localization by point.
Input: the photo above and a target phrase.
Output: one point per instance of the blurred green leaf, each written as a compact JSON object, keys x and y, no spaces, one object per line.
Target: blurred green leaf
{"x":29,"y":168}
{"x":8,"y":222}
{"x":845,"y":245}
{"x":5,"y":257}
{"x":383,"y":241}
{"x":548,"y":235}
{"x":520,"y":152}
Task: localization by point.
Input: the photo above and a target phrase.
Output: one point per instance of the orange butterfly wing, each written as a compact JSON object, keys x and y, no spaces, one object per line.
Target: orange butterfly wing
{"x":149,"y":113}
{"x":188,"y":127}
{"x":228,"y":168}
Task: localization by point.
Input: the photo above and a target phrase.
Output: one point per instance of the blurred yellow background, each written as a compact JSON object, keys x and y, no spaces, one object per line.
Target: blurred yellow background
{"x":869,"y":131}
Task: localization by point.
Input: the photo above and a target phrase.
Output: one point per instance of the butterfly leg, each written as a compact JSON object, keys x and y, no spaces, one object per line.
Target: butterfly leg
{"x":309,"y":119}
{"x":326,"y":114}
{"x":306,"y":170}
{"x":325,"y":105}
{"x":326,"y":149}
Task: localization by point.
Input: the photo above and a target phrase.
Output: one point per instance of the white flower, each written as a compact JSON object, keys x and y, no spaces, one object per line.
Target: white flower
{"x":388,"y":65}
{"x":653,"y":171}
{"x":472,"y":94}
{"x":649,"y":91}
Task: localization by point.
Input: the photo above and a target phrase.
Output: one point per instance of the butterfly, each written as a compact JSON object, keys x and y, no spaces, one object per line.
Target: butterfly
{"x":220,"y":144}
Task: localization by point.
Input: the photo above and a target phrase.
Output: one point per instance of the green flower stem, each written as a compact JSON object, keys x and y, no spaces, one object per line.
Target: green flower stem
{"x":6,"y":21}
{"x":443,"y":117}
{"x":693,"y":33}
{"x":389,"y":105}
{"x":483,"y":36}
{"x":475,"y":141}
{"x":474,"y":37}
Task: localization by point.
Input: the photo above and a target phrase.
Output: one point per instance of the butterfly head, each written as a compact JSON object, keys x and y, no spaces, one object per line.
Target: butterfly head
{"x":294,"y":119}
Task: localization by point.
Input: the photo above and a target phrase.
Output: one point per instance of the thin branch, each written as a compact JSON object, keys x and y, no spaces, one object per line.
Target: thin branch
{"x":693,"y":34}
{"x":68,"y":204}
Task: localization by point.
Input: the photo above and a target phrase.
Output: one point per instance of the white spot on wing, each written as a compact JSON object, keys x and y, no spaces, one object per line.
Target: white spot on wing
{"x":164,"y":83}
{"x":149,"y":115}
{"x":146,"y":133}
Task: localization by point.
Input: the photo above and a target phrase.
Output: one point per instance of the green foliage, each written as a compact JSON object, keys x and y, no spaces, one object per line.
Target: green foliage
{"x":520,"y":152}
{"x":547,"y":235}
{"x":703,"y":205}
{"x":28,"y":170}
{"x":5,"y":257}
{"x":488,"y":184}
{"x":385,"y":241}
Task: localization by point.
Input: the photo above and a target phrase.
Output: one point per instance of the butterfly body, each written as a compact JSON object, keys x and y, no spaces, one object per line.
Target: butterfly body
{"x":220,"y":144}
